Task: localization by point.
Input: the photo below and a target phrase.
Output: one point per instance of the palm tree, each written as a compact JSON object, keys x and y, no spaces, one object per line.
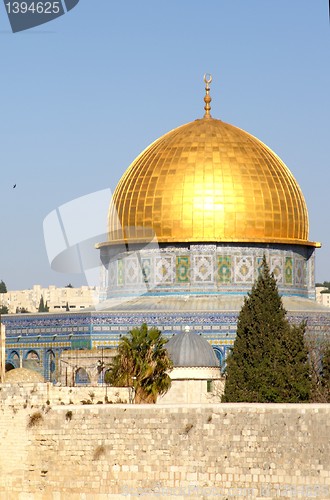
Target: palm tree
{"x":142,"y":362}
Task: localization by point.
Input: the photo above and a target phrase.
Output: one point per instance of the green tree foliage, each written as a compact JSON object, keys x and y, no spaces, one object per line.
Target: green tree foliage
{"x":326,"y":285}
{"x":3,"y":288}
{"x":325,"y":374}
{"x":21,"y":310}
{"x":269,"y":361}
{"x":4,"y":310}
{"x":319,"y":359}
{"x":42,"y":306}
{"x":142,"y":362}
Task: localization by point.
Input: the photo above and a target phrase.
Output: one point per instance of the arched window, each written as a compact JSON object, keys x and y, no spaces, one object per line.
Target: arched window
{"x":32,"y":361}
{"x":82,"y":377}
{"x":50,"y":365}
{"x":33,"y":355}
{"x":219,"y":354}
{"x":14,"y":359}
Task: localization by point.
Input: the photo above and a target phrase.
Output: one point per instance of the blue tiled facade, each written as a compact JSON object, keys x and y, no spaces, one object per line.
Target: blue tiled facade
{"x":36,"y":340}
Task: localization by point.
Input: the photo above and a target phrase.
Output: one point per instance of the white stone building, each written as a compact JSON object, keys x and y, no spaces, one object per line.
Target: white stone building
{"x":322,"y":298}
{"x":57,"y":299}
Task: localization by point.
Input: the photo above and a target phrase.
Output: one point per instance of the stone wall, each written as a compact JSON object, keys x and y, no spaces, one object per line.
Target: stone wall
{"x":188,"y":451}
{"x":39,"y":394}
{"x":193,"y":391}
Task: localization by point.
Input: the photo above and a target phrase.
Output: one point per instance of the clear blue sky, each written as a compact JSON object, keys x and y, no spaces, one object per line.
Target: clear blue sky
{"x":83,"y":95}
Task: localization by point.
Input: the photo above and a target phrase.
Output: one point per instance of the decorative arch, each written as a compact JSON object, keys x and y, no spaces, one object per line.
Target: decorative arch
{"x":220,"y":354}
{"x":50,"y":365}
{"x":82,"y":377}
{"x":32,"y":360}
{"x":33,"y":355}
{"x":13,"y":359}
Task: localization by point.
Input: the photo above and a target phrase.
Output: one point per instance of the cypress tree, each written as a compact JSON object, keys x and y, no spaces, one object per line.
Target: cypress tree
{"x":325,"y":374}
{"x":269,"y":361}
{"x":41,"y":307}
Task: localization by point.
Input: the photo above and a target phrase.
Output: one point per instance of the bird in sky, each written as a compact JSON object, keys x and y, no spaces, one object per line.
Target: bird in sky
{"x":14,"y":186}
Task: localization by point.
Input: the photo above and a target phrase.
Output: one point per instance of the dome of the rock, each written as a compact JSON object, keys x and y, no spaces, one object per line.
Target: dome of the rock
{"x":202,"y":205}
{"x":208,"y":181}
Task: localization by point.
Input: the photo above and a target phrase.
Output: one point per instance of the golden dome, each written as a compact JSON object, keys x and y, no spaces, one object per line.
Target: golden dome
{"x":208,"y":181}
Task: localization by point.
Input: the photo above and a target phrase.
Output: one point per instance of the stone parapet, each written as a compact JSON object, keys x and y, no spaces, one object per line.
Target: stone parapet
{"x":184,"y":451}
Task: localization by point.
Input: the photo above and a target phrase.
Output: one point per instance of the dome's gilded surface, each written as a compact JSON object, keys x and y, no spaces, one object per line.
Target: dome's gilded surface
{"x":208,"y":181}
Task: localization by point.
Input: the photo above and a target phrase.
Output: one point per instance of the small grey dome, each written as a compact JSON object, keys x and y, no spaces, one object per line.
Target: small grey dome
{"x":190,"y":349}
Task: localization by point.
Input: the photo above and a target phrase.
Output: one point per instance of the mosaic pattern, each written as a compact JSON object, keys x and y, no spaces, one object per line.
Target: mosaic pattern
{"x":104,"y":329}
{"x":182,"y":269}
{"x":244,"y":270}
{"x":131,"y":271}
{"x":203,"y":269}
{"x":164,"y":272}
{"x":311,"y":267}
{"x":120,"y":270}
{"x":224,"y":269}
{"x":288,"y":270}
{"x":112,"y":274}
{"x":146,"y":269}
{"x":276,"y":266}
{"x":299,"y":272}
{"x":214,"y":268}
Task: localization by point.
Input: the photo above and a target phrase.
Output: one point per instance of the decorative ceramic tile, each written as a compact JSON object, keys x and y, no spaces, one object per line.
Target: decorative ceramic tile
{"x":276,"y":267}
{"x":224,"y":269}
{"x":131,"y":270}
{"x":182,"y":269}
{"x":244,"y":270}
{"x":299,"y":272}
{"x":164,"y":272}
{"x":203,"y":269}
{"x":288,"y":273}
{"x":311,"y":267}
{"x":112,"y":273}
{"x":120,"y":272}
{"x":146,"y":269}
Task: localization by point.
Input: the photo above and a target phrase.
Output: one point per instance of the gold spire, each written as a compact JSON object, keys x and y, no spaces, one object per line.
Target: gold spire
{"x":207,"y":98}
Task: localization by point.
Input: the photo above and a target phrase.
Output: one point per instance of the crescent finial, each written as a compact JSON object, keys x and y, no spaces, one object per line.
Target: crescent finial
{"x":207,"y":98}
